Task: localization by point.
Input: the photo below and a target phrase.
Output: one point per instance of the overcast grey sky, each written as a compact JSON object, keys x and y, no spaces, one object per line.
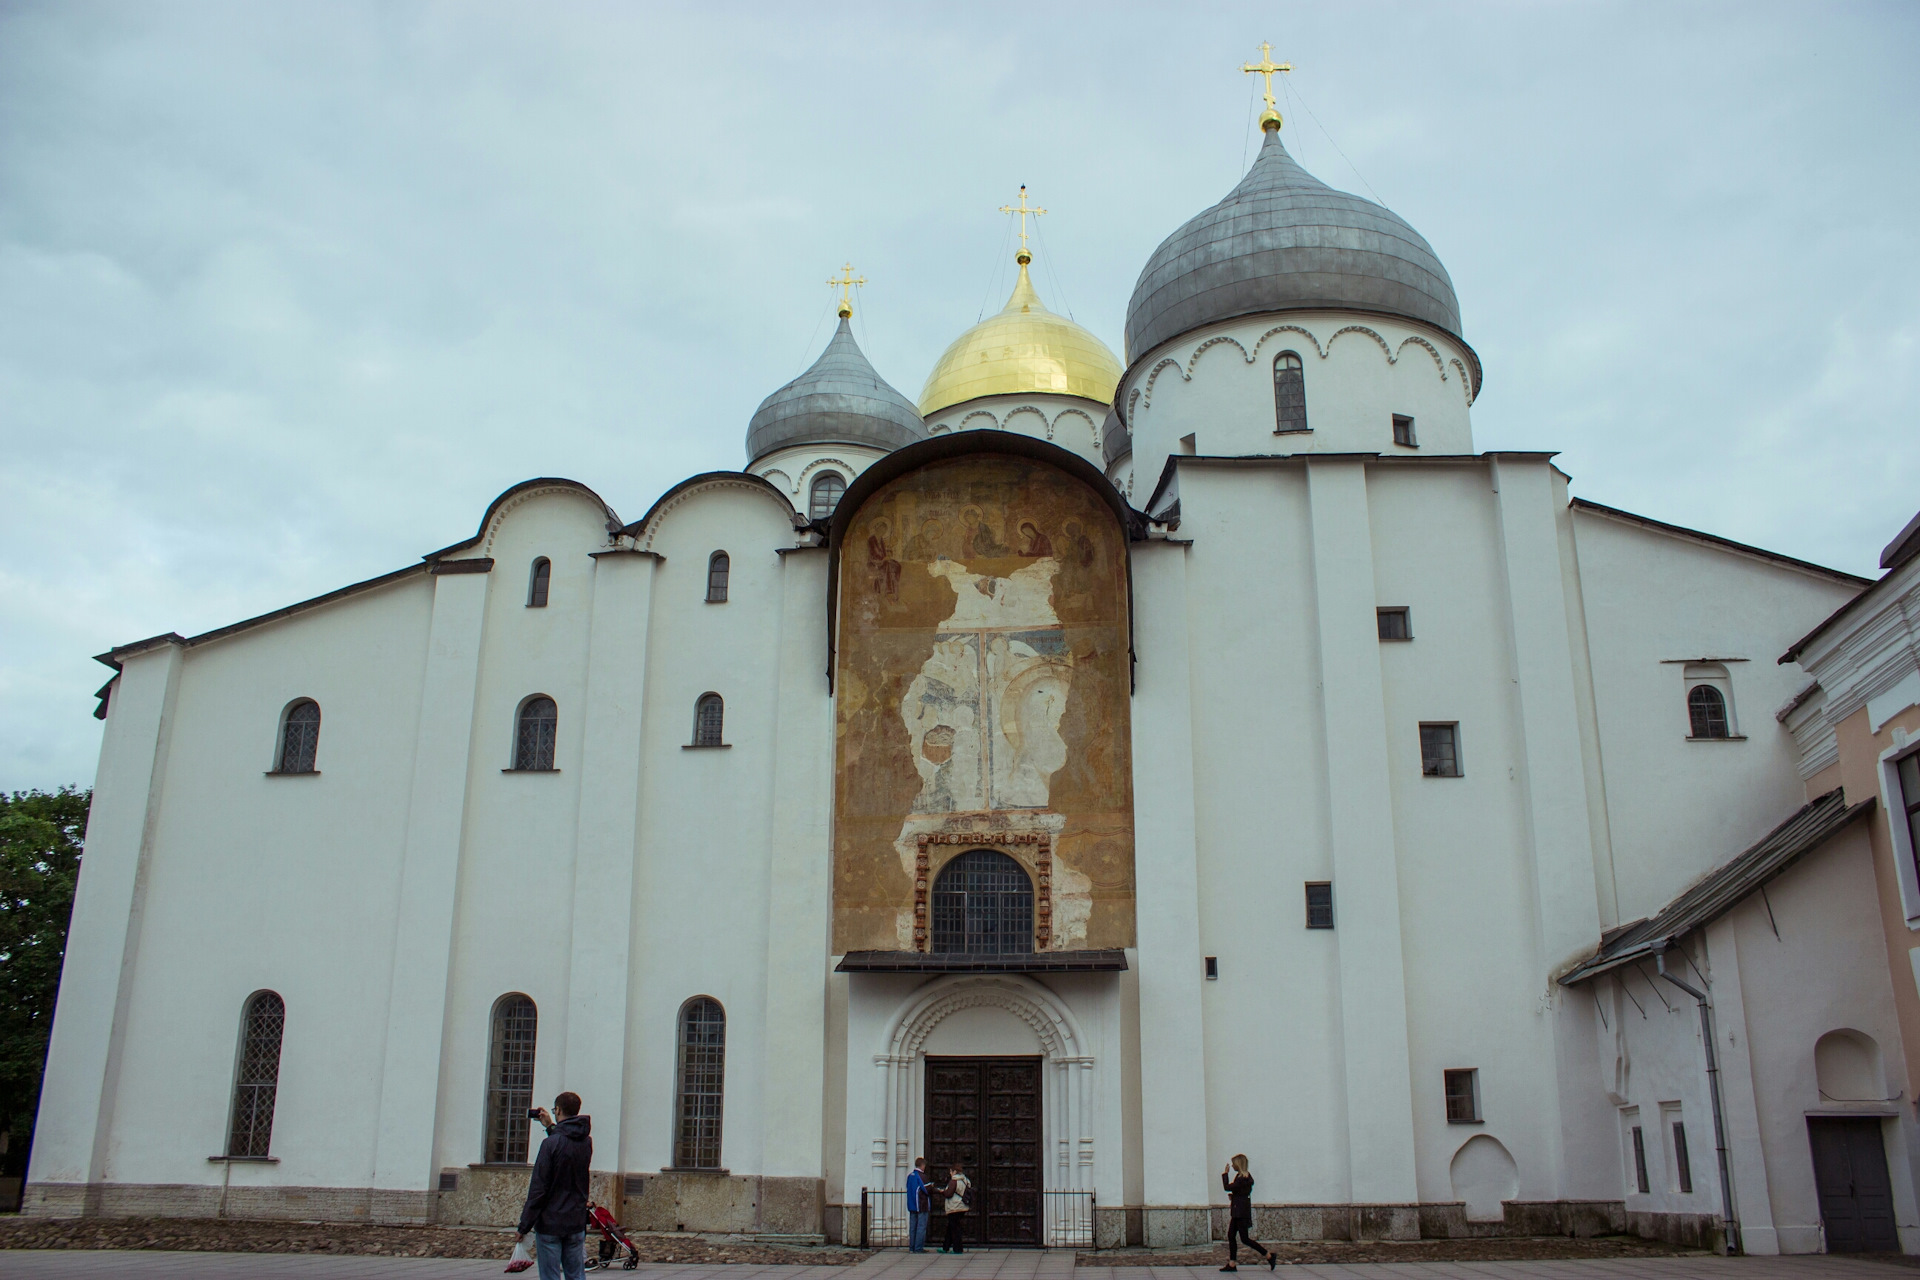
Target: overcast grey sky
{"x":289,"y":292}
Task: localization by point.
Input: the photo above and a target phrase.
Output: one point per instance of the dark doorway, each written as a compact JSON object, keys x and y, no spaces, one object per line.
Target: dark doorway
{"x":1856,"y":1197}
{"x":984,"y":1115}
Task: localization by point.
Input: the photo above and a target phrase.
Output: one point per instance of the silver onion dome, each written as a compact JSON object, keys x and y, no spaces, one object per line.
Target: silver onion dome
{"x":1285,"y":241}
{"x":840,"y":400}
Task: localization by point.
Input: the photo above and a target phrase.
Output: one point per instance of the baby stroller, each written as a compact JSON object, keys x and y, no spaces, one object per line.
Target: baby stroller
{"x":612,"y":1241}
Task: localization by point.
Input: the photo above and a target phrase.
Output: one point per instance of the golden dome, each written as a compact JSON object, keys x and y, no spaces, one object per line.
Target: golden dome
{"x":1024,"y":348}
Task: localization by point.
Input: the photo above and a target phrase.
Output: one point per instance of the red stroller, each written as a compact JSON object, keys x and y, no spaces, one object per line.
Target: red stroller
{"x":612,"y":1241}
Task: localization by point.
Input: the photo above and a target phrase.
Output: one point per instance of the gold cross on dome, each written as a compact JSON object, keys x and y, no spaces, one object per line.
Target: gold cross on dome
{"x":1266,"y":67}
{"x":846,"y":282}
{"x":1024,"y":210}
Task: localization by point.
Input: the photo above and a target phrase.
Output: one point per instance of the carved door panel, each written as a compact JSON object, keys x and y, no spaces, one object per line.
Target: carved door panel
{"x":984,"y":1115}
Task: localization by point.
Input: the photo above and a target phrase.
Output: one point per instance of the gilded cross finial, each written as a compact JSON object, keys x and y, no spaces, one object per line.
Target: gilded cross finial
{"x":846,"y":282}
{"x":1024,"y":210}
{"x":1270,"y":118}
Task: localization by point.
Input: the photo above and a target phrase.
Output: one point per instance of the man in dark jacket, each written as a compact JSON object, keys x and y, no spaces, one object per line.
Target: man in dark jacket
{"x":556,"y":1208}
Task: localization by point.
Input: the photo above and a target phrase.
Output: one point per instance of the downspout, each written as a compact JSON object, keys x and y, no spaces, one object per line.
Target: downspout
{"x":1731,"y":1215}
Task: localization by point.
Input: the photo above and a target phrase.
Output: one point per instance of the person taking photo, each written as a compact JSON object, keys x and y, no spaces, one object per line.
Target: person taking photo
{"x":556,"y":1207}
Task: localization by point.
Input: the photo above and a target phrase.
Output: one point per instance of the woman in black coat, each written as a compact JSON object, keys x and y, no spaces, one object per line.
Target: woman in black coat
{"x":1238,"y":1184}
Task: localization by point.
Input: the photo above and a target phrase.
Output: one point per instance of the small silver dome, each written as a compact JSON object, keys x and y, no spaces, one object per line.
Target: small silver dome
{"x":840,"y":400}
{"x":1285,"y":241}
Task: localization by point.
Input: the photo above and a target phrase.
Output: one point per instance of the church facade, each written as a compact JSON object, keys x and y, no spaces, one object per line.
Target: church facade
{"x":1086,"y":773}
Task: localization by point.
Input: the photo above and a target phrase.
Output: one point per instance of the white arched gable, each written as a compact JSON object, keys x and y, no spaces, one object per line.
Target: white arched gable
{"x":743,"y":483}
{"x":517,"y":499}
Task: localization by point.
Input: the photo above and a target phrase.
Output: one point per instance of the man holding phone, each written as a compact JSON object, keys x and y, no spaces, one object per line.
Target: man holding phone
{"x":556,"y":1208}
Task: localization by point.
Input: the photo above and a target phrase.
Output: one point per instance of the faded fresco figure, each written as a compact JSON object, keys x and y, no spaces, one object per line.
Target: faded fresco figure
{"x":880,"y":562}
{"x":1037,"y":543}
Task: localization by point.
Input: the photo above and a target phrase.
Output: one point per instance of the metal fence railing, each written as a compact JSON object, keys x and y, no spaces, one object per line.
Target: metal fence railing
{"x":1066,"y":1220}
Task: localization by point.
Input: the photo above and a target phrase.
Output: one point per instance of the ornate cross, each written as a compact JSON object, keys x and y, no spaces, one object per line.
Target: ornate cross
{"x":1024,"y":210}
{"x":846,"y":282}
{"x":1266,"y":67}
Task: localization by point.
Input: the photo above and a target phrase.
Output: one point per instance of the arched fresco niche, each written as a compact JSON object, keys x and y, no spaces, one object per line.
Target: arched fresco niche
{"x":982,"y":674}
{"x":1484,"y":1176}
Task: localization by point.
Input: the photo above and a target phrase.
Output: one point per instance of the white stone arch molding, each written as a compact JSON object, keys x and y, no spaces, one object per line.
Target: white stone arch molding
{"x":647,"y":527}
{"x":1142,"y":392}
{"x":846,"y":469}
{"x":1093,"y":428}
{"x":1068,"y":1084}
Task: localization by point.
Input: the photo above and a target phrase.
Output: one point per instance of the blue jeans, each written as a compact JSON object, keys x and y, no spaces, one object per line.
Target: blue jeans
{"x":561,"y":1257}
{"x":916,"y":1231}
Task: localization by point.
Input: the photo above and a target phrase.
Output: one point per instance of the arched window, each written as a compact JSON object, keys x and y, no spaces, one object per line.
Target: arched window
{"x":1289,"y":393}
{"x":510,"y":1078}
{"x":299,"y":737}
{"x":1707,"y":711}
{"x":533,"y":740}
{"x":702,"y":1080}
{"x":709,"y":719}
{"x":537,"y":583}
{"x":825,"y":495}
{"x":982,"y":905}
{"x":717,"y":567}
{"x":256,"y":1079}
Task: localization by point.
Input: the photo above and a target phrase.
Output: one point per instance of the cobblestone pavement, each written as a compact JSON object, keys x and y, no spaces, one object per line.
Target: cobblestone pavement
{"x":980,"y":1265}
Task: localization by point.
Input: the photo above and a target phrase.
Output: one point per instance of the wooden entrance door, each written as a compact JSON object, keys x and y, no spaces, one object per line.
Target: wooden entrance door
{"x":1856,"y":1196}
{"x":984,"y":1115}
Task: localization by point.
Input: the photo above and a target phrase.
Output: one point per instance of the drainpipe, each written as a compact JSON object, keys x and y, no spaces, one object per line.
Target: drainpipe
{"x":1731,"y":1215}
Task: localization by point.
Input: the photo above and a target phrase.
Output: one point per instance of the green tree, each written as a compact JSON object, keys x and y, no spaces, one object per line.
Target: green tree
{"x":40,"y":838}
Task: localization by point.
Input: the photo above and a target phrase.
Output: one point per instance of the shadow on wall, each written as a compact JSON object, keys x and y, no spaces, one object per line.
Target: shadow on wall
{"x":1484,"y":1177}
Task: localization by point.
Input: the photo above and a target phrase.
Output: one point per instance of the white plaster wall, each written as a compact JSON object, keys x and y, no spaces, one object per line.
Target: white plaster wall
{"x":1068,"y":421}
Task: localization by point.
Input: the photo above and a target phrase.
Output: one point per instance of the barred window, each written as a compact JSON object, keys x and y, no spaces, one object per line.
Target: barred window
{"x":257,"y":1077}
{"x":983,"y":905}
{"x":1707,"y":711}
{"x":1463,"y":1096}
{"x":1289,"y":393}
{"x":702,"y":1079}
{"x":539,"y":726}
{"x":717,"y":567}
{"x":1319,"y":904}
{"x":825,"y":495}
{"x":709,"y":719}
{"x":300,"y":737}
{"x":537,"y":583}
{"x":516,"y":1024}
{"x":1440,"y":750}
{"x":1395,"y":622}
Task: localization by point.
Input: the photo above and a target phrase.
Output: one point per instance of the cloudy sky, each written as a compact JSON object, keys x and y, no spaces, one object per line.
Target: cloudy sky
{"x":289,"y":292}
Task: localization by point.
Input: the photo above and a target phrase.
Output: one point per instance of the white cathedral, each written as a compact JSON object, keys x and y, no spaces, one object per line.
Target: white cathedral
{"x":1095,"y":770}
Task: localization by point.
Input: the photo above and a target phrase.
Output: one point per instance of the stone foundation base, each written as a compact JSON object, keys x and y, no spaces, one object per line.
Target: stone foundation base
{"x":1688,"y":1230}
{"x":164,"y":1200}
{"x":697,"y":1200}
{"x":490,"y":1195}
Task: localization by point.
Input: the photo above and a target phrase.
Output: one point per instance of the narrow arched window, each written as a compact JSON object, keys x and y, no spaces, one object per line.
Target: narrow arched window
{"x":1289,"y":393}
{"x":701,"y":1080}
{"x":510,"y":1078}
{"x":299,"y":737}
{"x":256,"y":1078}
{"x":537,"y":583}
{"x":717,"y":566}
{"x":1707,"y":711}
{"x":825,"y":494}
{"x":982,"y":905}
{"x":534,"y":736}
{"x":709,"y":720}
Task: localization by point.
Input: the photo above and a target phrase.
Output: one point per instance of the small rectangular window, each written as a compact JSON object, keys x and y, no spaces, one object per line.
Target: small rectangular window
{"x":1319,"y":904}
{"x":1463,"y":1096}
{"x":1396,"y":622}
{"x":1682,"y":1162}
{"x":1213,"y":967}
{"x":1640,"y":1162}
{"x":1403,"y":430}
{"x":1440,"y":750}
{"x":1909,"y":773}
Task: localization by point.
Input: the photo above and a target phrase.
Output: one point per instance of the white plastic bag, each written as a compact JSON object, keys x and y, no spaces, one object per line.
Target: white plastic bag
{"x":522,"y":1256}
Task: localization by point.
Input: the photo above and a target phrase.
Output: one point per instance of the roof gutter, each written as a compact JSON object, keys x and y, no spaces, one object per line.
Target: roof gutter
{"x":1729,"y":1215}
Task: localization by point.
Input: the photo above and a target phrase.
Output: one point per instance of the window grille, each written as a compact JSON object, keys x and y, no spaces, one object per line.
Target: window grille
{"x":300,"y":737}
{"x":1682,"y":1162}
{"x":983,"y":905}
{"x":1440,"y":750}
{"x":1463,"y":1096}
{"x":1403,"y":430}
{"x":1640,"y":1181}
{"x":539,"y":726}
{"x":1707,"y":711}
{"x":1319,"y":904}
{"x":703,"y":1078}
{"x":1395,"y":623}
{"x":257,"y":1079}
{"x":709,"y":720}
{"x":516,"y":1025}
{"x":537,"y":584}
{"x":717,"y":566}
{"x":1289,"y":393}
{"x":825,"y":495}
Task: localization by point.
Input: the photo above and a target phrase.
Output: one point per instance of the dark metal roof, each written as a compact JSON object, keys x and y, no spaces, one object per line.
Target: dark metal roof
{"x":1904,"y":547}
{"x":840,"y":400}
{"x":1026,"y":962}
{"x":1285,"y":241}
{"x":1720,"y":890}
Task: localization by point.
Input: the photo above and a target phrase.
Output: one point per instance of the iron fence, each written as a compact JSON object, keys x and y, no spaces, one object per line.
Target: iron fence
{"x":1066,"y":1221}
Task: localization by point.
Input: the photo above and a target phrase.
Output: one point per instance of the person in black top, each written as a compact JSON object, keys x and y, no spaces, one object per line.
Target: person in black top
{"x":556,"y":1207}
{"x":1238,"y":1184}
